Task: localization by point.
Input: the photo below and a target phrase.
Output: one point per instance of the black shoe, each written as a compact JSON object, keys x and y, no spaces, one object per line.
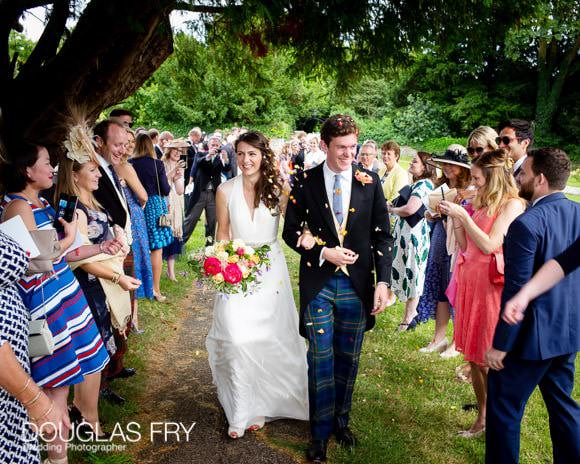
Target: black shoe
{"x":345,"y":437}
{"x":316,"y":452}
{"x":112,"y":397}
{"x":124,"y":373}
{"x":75,"y":415}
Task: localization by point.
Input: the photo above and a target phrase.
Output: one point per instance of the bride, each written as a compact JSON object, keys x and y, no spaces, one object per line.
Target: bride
{"x":257,"y":358}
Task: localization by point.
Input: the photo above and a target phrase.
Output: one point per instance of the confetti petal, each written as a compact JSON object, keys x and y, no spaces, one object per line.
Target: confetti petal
{"x":320,"y":331}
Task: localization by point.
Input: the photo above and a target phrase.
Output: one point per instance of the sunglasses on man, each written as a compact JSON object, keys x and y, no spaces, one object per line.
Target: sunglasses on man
{"x":506,"y":140}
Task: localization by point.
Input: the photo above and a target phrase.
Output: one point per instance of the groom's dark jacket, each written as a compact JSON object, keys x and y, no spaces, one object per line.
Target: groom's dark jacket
{"x":367,"y":233}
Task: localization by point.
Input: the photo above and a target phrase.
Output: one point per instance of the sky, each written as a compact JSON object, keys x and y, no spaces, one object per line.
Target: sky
{"x":34,"y":21}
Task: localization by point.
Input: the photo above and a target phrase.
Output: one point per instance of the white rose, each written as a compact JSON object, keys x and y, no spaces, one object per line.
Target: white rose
{"x":237,"y":243}
{"x":209,"y":250}
{"x":249,"y":250}
{"x":222,"y":255}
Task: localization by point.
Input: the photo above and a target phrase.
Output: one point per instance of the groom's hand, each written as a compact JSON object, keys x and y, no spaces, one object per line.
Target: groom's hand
{"x":381,"y":299}
{"x":339,"y":256}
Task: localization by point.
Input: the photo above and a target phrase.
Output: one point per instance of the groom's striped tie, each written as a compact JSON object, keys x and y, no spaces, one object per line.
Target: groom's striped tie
{"x":337,"y":199}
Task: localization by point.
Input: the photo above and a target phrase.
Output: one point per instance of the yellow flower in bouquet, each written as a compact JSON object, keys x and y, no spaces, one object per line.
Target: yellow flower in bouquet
{"x":233,"y":259}
{"x":218,"y":278}
{"x":255,"y":259}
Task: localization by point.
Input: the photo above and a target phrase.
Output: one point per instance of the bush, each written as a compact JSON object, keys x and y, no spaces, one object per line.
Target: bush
{"x":440,"y":144}
{"x":420,"y":120}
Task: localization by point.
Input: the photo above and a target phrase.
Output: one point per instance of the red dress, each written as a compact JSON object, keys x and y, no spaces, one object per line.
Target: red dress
{"x":477,"y":302}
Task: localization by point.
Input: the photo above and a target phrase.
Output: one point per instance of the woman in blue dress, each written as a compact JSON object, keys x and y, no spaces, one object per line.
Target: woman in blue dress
{"x":79,"y":354}
{"x":151,"y":173}
{"x":136,"y":199}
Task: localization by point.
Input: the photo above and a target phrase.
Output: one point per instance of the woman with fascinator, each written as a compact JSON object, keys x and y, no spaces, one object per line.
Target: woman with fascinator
{"x":100,"y":267}
{"x":257,"y":358}
{"x":79,"y":354}
{"x":479,"y":269}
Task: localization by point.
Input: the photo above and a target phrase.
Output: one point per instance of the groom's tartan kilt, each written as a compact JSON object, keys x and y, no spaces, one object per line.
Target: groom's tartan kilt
{"x":335,"y":324}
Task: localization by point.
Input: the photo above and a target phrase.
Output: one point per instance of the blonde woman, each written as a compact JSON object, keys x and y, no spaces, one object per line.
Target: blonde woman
{"x":479,"y":268}
{"x":175,"y":168}
{"x":393,"y":176}
{"x":480,"y":141}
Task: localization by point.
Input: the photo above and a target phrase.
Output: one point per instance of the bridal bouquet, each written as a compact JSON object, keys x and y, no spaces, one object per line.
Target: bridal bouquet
{"x":230,"y":266}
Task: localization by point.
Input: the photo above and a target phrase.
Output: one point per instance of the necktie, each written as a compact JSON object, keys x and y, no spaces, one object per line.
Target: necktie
{"x":116,"y":179}
{"x":337,"y":199}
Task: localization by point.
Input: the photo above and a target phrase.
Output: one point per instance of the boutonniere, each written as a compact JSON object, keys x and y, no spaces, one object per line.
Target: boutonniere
{"x":363,"y":177}
{"x":122,"y":182}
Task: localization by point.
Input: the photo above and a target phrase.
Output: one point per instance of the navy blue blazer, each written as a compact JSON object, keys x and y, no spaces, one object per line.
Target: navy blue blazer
{"x":551,"y":325}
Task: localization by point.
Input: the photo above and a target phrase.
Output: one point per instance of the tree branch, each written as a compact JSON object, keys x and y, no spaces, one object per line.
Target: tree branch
{"x":185,"y":6}
{"x":49,"y":40}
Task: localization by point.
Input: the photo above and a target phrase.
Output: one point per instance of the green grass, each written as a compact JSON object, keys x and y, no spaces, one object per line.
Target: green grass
{"x":406,"y":406}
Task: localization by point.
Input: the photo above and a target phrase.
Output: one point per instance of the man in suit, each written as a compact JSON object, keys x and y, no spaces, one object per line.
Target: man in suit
{"x":207,"y":177}
{"x":195,"y":135}
{"x":540,"y":350}
{"x":345,"y":209}
{"x":154,"y":135}
{"x":516,"y":137}
{"x":111,"y":139}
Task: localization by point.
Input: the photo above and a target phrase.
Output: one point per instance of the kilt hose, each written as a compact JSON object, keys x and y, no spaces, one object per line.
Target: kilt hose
{"x":335,"y":323}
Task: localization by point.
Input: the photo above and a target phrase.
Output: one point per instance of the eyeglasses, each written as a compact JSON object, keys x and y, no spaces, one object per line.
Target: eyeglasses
{"x":506,"y":140}
{"x":128,"y":123}
{"x":473,"y":150}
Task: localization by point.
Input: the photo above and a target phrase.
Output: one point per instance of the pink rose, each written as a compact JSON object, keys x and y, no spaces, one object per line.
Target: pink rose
{"x":212,"y":266}
{"x":232,"y":274}
{"x":240,"y":251}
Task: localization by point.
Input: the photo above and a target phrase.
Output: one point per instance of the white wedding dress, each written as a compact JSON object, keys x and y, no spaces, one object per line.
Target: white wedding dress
{"x":257,"y":357}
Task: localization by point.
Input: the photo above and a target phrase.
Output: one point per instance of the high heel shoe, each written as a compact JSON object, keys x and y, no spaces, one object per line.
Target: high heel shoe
{"x":438,"y":347}
{"x":83,"y":427}
{"x":159,"y":297}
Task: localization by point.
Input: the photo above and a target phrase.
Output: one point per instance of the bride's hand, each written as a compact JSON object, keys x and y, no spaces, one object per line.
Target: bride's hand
{"x":306,"y":241}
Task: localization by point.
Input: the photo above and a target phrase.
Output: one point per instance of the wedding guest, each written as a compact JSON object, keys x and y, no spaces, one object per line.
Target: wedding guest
{"x":79,"y":175}
{"x":151,"y":173}
{"x":480,"y":238}
{"x":136,"y":200}
{"x":393,"y":176}
{"x":154,"y":135}
{"x":174,"y":169}
{"x":22,"y":401}
{"x":313,"y":155}
{"x":516,"y":136}
{"x":541,"y":349}
{"x":481,"y":140}
{"x":412,"y":242}
{"x":455,"y":174}
{"x":79,"y":354}
{"x":122,"y":115}
{"x":208,"y":176}
{"x":368,"y":156}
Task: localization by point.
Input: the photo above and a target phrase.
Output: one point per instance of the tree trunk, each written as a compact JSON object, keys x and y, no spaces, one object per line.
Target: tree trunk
{"x":552,"y":74}
{"x":113,"y":49}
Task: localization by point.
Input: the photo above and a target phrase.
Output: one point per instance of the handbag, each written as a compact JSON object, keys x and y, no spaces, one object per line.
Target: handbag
{"x":496,"y":268}
{"x":402,"y":200}
{"x":165,"y":219}
{"x":40,"y":339}
{"x":46,"y":240}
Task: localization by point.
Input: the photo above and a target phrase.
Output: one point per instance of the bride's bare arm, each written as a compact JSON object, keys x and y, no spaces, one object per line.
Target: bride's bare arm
{"x":222,"y":215}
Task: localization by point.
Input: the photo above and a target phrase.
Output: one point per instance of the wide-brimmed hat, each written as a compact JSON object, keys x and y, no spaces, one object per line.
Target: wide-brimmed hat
{"x":456,"y":157}
{"x":177,"y":143}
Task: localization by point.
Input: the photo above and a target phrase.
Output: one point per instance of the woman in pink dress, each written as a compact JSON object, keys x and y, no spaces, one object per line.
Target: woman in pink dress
{"x":479,"y":269}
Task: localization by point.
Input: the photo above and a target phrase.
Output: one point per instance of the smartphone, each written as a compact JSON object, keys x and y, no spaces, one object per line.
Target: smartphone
{"x":67,"y":205}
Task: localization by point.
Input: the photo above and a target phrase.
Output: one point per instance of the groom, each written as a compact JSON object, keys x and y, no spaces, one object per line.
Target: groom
{"x":343,"y":206}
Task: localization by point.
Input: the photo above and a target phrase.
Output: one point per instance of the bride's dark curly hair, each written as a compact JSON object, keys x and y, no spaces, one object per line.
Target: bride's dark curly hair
{"x":268,"y":187}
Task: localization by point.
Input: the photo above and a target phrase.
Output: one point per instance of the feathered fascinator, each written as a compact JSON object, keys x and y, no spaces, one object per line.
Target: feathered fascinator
{"x":79,"y":143}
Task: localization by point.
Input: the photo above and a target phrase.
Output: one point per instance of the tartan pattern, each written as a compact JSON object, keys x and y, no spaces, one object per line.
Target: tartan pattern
{"x":335,"y":323}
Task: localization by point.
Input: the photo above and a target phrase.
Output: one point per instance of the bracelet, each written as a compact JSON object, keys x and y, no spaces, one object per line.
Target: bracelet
{"x":26,"y":385}
{"x":116,"y":277}
{"x":382,"y":283}
{"x":48,"y":411}
{"x":33,"y":400}
{"x":459,"y":227}
{"x":101,"y":248}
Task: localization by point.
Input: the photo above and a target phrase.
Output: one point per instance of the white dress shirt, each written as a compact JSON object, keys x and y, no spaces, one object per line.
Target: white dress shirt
{"x":345,"y":186}
{"x":518,"y":163}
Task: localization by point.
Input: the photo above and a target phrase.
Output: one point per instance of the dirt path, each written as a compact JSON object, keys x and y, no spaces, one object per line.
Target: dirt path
{"x":180,"y":389}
